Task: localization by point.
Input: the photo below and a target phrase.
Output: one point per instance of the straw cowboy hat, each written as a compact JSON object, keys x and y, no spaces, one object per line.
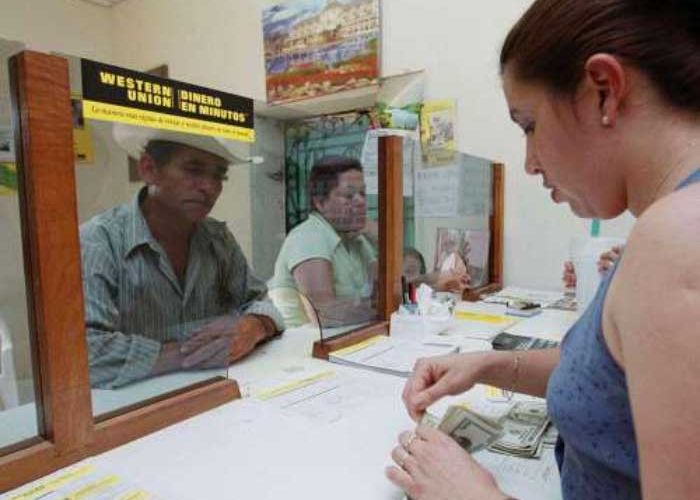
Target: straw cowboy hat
{"x":133,"y":140}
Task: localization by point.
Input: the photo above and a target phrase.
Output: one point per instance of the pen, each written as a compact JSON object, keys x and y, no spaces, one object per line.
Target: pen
{"x":404,"y":291}
{"x":412,"y":293}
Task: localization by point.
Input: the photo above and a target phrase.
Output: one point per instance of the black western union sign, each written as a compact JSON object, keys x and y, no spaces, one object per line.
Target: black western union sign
{"x":120,"y":95}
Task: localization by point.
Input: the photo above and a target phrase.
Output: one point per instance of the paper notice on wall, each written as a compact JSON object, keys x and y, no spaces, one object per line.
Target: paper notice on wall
{"x":370,"y":160}
{"x":436,"y":192}
{"x":451,"y":191}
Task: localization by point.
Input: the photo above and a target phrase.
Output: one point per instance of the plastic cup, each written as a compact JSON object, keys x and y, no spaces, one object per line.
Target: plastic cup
{"x":585,"y":253}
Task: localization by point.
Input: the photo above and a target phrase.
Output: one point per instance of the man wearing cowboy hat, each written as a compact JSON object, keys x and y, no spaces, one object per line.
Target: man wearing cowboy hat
{"x":167,"y":287}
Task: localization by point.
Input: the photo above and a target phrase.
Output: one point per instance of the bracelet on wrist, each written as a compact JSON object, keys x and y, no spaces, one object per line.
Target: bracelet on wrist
{"x":516,"y":372}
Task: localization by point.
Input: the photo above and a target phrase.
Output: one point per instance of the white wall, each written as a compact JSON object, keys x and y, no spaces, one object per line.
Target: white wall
{"x":215,"y":43}
{"x":68,"y":26}
{"x":458,"y":44}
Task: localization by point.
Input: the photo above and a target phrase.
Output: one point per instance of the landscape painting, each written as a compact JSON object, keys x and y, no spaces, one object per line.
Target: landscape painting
{"x":319,"y":47}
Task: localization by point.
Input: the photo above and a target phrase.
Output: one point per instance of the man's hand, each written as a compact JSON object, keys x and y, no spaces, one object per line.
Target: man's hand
{"x":251,"y":331}
{"x":224,"y":340}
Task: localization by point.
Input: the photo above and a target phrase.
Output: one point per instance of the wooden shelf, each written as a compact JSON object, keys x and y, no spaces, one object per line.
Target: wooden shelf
{"x":348,"y":100}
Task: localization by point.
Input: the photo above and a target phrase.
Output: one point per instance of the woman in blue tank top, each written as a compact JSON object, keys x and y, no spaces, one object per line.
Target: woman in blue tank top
{"x":607,"y":93}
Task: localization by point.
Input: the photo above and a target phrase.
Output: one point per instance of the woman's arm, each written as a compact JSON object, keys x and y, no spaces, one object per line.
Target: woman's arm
{"x":433,"y":378}
{"x":314,"y":278}
{"x":653,"y":320}
{"x":527,"y":372}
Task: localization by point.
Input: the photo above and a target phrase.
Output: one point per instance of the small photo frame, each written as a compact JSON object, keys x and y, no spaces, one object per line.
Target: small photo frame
{"x":463,"y":249}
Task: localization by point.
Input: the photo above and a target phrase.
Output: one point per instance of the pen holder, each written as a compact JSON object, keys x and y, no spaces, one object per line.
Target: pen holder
{"x":416,"y":327}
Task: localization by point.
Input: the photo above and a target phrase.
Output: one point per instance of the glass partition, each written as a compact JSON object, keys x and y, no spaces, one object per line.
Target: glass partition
{"x":178,"y":231}
{"x":326,"y":272}
{"x":448,"y":236}
{"x":18,"y":416}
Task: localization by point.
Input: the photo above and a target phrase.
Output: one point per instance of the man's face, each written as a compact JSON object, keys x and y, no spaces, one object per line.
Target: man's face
{"x":345,"y":208}
{"x":189,"y":183}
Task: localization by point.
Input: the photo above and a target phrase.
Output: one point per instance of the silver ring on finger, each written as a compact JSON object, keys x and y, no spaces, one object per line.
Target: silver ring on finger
{"x":409,"y":442}
{"x":401,"y":460}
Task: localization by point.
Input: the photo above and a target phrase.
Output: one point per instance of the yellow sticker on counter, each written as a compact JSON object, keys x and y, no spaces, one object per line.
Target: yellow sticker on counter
{"x":45,"y":487}
{"x":293,"y":385}
{"x":360,"y":345}
{"x":135,"y":495}
{"x":96,"y":487}
{"x":493,"y":319}
{"x":84,"y":482}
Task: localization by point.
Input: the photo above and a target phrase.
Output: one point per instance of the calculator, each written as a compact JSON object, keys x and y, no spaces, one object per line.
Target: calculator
{"x":508,"y":342}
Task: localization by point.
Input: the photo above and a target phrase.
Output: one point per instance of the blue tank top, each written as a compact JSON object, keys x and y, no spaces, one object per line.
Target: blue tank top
{"x":588,"y":401}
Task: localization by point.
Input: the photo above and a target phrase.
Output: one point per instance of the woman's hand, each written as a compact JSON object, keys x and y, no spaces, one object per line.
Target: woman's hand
{"x":440,"y":376}
{"x":608,"y":259}
{"x":452,"y":281}
{"x":569,"y":275}
{"x":432,"y":466}
{"x":605,"y":262}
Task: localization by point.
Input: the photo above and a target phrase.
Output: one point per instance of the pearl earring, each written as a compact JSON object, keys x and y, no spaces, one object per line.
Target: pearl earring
{"x":605,"y":121}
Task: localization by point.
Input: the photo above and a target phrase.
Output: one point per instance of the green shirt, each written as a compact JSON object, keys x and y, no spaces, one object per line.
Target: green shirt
{"x":315,"y":238}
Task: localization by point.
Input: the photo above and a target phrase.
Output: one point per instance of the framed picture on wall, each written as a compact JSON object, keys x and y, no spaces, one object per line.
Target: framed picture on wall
{"x":319,"y":47}
{"x":463,"y":250}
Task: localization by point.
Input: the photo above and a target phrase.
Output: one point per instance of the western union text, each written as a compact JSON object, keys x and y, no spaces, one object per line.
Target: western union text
{"x":141,"y":91}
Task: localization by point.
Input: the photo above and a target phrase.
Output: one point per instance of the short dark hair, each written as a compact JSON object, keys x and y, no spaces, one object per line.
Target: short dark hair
{"x":413,"y":252}
{"x":161,"y":151}
{"x":552,"y":41}
{"x":325,"y":172}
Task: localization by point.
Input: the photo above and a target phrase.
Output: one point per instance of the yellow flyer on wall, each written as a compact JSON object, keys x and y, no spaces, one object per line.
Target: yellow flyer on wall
{"x":82,"y":138}
{"x":437,"y":127}
{"x":117,"y":94}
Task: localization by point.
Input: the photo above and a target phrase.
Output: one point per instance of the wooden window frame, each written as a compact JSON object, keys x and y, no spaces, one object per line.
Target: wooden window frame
{"x":496,"y":217}
{"x":390,"y":161}
{"x":68,"y":432}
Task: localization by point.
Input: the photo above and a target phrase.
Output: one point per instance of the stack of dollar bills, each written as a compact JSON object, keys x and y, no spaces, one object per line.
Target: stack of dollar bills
{"x":472,"y":431}
{"x":523,"y":430}
{"x":520,"y":432}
